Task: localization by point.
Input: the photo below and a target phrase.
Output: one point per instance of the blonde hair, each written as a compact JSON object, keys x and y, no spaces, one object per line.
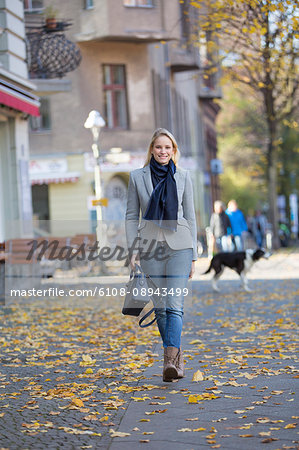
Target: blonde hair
{"x":163,"y":132}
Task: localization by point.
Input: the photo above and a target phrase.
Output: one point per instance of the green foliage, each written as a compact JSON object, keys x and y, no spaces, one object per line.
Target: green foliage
{"x":242,"y":144}
{"x":248,"y":193}
{"x":258,"y":46}
{"x":242,"y":148}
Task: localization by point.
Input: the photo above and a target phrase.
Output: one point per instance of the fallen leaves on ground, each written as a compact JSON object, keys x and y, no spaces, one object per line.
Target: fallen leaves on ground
{"x":197,"y":376}
{"x":82,"y":366}
{"x":85,"y":360}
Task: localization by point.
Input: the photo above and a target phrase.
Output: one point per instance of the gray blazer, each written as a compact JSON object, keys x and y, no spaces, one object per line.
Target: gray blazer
{"x":139,"y":192}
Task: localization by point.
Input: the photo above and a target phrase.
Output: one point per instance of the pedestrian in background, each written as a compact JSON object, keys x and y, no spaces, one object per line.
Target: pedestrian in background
{"x":259,"y":228}
{"x":238,"y":224}
{"x":163,"y":194}
{"x":220,"y":227}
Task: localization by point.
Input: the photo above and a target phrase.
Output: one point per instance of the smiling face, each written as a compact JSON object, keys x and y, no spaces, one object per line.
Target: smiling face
{"x":162,"y":150}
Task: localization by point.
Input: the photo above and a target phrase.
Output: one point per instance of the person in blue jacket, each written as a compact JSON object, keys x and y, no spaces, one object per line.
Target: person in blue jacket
{"x":238,"y":223}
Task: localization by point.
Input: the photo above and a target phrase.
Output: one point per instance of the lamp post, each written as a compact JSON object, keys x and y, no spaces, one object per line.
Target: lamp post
{"x":95,"y":122}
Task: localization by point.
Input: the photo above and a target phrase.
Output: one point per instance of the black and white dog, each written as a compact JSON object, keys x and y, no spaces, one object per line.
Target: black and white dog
{"x":241,"y":262}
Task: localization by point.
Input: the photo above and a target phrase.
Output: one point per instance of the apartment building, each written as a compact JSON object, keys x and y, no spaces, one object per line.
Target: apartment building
{"x":140,"y":71}
{"x":18,"y":101}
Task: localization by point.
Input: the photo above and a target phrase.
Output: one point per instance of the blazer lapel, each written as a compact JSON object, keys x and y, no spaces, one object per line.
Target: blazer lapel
{"x":178,"y":180}
{"x":148,"y":179}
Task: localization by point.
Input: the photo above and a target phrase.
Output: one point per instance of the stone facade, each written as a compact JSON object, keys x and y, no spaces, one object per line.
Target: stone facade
{"x":17,"y":102}
{"x":160,"y":83}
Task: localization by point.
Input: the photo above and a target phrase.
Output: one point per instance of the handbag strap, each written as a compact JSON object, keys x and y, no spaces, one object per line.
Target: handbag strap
{"x":136,"y":270}
{"x":145,"y":317}
{"x":132,"y":274}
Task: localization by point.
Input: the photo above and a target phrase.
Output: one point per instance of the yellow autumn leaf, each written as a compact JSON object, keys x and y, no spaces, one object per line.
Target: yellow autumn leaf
{"x":87,"y":392}
{"x":77,"y":402}
{"x":197,"y":376}
{"x":114,"y":434}
{"x":89,"y":370}
{"x":290,"y":425}
{"x":104,"y":418}
{"x":140,"y":399}
{"x":69,"y":352}
{"x":192,"y":399}
{"x":249,"y":376}
{"x":132,"y":365}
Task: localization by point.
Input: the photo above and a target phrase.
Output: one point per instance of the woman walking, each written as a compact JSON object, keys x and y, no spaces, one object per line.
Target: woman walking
{"x":160,"y":212}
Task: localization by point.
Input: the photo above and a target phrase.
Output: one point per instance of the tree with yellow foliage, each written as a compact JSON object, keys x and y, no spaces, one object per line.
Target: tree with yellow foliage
{"x":257,"y":42}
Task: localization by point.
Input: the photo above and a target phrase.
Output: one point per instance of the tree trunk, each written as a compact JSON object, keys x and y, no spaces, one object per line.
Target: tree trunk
{"x":269,"y":97}
{"x":272,"y":186}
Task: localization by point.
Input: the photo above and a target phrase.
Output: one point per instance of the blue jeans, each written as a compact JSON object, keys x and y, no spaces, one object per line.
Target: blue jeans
{"x":259,"y":238}
{"x":238,"y":243}
{"x":170,"y":276}
{"x":222,"y":244}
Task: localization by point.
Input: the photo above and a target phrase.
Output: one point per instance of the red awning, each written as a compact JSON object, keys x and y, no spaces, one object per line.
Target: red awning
{"x":55,"y":180}
{"x":19,"y":101}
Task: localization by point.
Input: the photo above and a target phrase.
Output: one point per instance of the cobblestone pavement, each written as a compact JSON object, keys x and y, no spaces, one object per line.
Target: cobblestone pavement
{"x":75,"y":375}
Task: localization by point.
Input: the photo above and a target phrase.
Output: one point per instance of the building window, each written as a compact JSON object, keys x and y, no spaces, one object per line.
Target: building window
{"x":115,"y":96}
{"x":88,"y":4}
{"x":139,"y":3}
{"x":42,"y":122}
{"x":33,"y":5}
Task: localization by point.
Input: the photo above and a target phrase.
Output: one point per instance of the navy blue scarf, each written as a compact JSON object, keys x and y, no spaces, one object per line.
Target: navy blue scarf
{"x":163,"y":203}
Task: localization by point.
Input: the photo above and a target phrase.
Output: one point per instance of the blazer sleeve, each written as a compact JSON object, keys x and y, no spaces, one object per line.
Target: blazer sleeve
{"x":189,"y":212}
{"x":132,"y":214}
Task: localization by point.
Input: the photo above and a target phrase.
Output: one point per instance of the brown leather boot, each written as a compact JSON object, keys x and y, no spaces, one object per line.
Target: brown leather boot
{"x":170,"y":371}
{"x":180,"y":364}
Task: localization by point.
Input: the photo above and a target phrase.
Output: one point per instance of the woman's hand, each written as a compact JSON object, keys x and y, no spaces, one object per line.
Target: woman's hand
{"x":192,"y":270}
{"x":134,"y":259}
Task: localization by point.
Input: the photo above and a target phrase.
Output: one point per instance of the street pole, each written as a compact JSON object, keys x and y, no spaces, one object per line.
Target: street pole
{"x":95,"y":122}
{"x":97,"y":171}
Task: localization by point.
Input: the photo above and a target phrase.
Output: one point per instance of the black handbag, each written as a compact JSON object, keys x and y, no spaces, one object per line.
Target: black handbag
{"x":137,"y":295}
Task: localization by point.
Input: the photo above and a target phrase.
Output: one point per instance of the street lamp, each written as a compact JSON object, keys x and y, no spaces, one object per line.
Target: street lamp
{"x":95,"y":122}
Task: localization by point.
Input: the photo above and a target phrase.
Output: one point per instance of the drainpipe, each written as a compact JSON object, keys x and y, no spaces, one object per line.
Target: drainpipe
{"x":167,"y":69}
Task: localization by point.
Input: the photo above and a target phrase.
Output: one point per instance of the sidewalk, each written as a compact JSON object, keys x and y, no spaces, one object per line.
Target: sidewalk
{"x":247,"y":397}
{"x":75,"y":376}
